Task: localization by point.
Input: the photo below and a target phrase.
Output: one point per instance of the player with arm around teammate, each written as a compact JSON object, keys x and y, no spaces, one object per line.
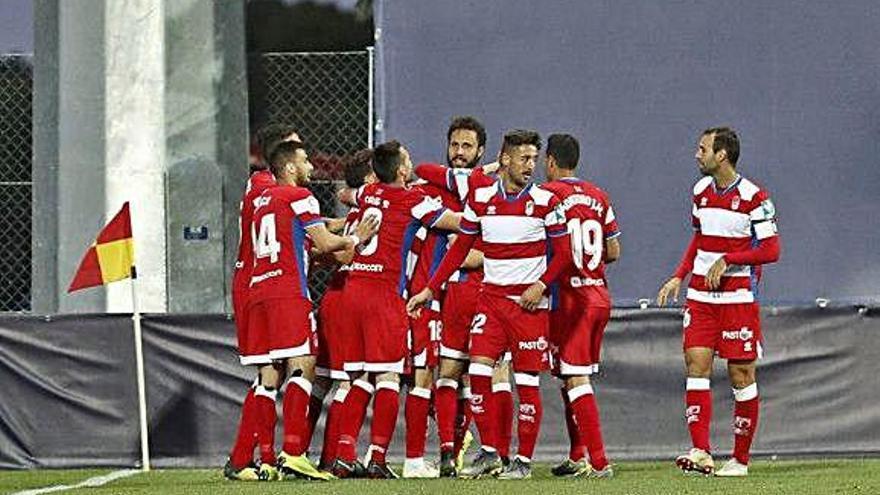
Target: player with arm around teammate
{"x":281,"y":336}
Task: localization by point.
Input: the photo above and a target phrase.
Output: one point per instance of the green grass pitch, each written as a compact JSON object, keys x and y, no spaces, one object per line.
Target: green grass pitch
{"x":837,"y":476}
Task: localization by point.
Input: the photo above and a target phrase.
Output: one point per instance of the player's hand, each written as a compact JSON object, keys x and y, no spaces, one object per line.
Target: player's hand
{"x":713,"y":276}
{"x":367,"y":228}
{"x":531,"y":297}
{"x":415,"y":303}
{"x":671,"y":287}
{"x":491,"y":168}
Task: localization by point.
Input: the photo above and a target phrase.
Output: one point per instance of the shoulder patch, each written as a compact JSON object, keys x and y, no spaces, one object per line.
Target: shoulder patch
{"x":702,"y":184}
{"x":541,"y":196}
{"x":747,"y":189}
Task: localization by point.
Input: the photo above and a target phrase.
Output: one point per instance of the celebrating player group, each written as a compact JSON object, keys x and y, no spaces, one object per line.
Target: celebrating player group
{"x":460,"y":283}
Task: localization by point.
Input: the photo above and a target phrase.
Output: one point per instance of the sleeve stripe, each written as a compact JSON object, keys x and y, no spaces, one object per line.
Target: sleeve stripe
{"x":613,"y":235}
{"x":436,"y":218}
{"x":313,"y":222}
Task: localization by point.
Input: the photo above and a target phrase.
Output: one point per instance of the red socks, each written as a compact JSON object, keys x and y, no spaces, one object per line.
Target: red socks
{"x":418,"y":401}
{"x":503,"y":403}
{"x":243,"y":450}
{"x":264,"y":404}
{"x":353,"y":411}
{"x":296,"y":412}
{"x":699,"y":411}
{"x":576,"y":450}
{"x":481,"y":405}
{"x":528,"y":421}
{"x":385,"y":410}
{"x":331,"y":427}
{"x":583,"y":406}
{"x":446,"y":403}
{"x":745,"y":421}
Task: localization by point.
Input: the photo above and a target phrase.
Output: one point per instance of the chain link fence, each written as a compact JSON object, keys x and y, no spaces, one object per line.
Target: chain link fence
{"x":16,"y":118}
{"x":327,"y":96}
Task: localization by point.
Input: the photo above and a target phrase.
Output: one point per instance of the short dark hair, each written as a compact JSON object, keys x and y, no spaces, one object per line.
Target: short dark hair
{"x":386,"y":161}
{"x":269,"y":136}
{"x":725,"y":139}
{"x":467,"y":123}
{"x":565,"y":149}
{"x":282,"y":154}
{"x":356,"y":168}
{"x":519,"y":137}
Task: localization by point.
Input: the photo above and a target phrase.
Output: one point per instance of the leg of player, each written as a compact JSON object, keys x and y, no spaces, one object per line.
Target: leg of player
{"x":418,"y":404}
{"x":446,"y":405}
{"x":385,"y":409}
{"x":503,"y":400}
{"x":745,"y":416}
{"x":698,"y":399}
{"x":583,"y":405}
{"x":487,"y":462}
{"x":463,"y":417}
{"x":528,"y":424}
{"x":265,"y":396}
{"x":331,"y":425}
{"x":240,"y":465}
{"x":320,"y":387}
{"x":292,"y":460}
{"x":576,"y":462}
{"x":352,"y":414}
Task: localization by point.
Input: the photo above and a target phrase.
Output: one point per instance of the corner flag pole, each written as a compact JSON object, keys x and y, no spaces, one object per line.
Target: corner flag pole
{"x":139,"y":359}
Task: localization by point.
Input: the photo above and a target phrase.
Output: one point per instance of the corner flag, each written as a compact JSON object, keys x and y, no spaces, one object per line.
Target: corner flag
{"x":111,"y":256}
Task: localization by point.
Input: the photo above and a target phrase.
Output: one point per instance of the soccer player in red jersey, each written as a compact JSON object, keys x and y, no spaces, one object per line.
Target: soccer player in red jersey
{"x":280,"y":323}
{"x":331,"y":315}
{"x":466,"y":140}
{"x":514,"y":220}
{"x":377,"y":282}
{"x":240,"y":465}
{"x":734,"y":234}
{"x":581,"y":303}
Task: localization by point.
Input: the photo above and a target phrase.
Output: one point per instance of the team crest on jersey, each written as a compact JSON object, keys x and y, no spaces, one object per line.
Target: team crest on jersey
{"x":703,"y":201}
{"x":490,"y":210}
{"x":530,"y":207}
{"x":735,"y":203}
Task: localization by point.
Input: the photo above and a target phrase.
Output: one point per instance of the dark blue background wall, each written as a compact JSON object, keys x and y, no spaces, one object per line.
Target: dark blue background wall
{"x":636,"y":82}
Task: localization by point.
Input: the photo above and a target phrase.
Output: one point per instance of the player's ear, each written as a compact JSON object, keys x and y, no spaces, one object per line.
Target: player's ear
{"x":480,"y":151}
{"x":504,"y":159}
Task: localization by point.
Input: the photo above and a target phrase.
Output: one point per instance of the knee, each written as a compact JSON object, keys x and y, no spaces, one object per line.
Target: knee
{"x":741,"y":377}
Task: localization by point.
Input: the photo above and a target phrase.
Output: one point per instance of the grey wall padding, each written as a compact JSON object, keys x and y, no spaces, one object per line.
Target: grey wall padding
{"x":637,"y":82}
{"x":69,"y":394}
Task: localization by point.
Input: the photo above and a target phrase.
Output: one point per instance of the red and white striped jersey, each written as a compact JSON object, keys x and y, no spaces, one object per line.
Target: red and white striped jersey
{"x":257,"y":183}
{"x":402,"y":212}
{"x":590,"y":220}
{"x":729,"y":221}
{"x":281,"y":249}
{"x":514,"y":231}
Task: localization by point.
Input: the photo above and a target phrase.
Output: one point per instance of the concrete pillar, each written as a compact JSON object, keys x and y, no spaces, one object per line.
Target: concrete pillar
{"x":124,"y":91}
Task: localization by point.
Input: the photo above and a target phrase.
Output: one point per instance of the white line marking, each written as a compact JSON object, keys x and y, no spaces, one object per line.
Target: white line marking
{"x":89,"y":483}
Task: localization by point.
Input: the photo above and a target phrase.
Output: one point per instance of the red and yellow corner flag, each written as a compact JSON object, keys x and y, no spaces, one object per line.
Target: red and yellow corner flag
{"x":111,"y":257}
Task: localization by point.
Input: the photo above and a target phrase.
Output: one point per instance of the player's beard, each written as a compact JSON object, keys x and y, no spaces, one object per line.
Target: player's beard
{"x":471,"y":164}
{"x":705,"y":169}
